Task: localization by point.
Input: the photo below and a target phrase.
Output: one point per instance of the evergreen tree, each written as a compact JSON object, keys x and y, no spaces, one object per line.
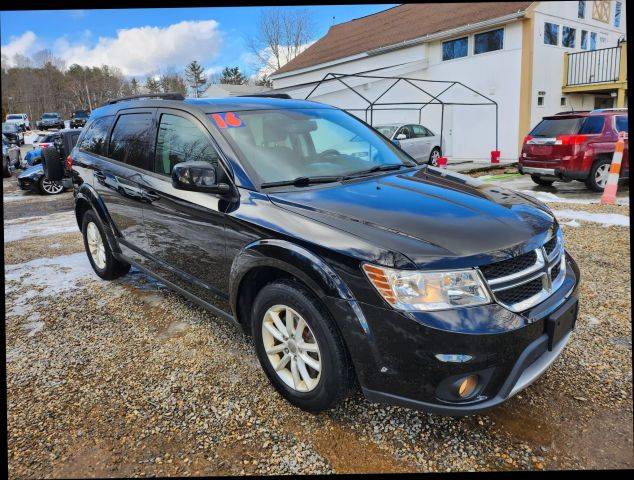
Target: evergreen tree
{"x":233,"y":76}
{"x":195,"y":76}
{"x":134,"y":86}
{"x":152,"y":85}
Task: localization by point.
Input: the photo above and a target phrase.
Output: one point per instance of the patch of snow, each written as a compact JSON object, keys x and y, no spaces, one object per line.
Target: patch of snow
{"x":605,"y":219}
{"x":30,"y":138}
{"x":14,"y":197}
{"x":33,"y":328}
{"x":41,"y":226}
{"x":548,"y":197}
{"x":571,"y":223}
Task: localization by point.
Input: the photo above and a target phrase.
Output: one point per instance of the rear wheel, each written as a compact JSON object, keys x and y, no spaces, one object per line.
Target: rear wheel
{"x":541,"y":181}
{"x":6,"y":170}
{"x":434,"y":156}
{"x":598,"y":177}
{"x":299,"y":347}
{"x":99,"y":254}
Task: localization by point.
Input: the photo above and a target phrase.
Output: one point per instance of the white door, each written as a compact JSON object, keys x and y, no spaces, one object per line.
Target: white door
{"x":409,"y":143}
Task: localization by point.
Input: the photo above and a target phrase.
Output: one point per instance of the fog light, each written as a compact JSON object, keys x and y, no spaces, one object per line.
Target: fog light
{"x":467,"y":386}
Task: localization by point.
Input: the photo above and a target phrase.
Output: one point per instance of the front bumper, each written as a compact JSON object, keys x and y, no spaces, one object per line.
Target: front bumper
{"x":407,"y":359}
{"x":28,"y":183}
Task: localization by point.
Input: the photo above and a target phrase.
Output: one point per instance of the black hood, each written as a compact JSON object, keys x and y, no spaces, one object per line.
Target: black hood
{"x":429,"y":215}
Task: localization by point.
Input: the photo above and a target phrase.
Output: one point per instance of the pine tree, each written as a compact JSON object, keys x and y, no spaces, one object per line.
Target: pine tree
{"x":152,"y":85}
{"x":134,"y":86}
{"x":195,"y":76}
{"x":233,"y":76}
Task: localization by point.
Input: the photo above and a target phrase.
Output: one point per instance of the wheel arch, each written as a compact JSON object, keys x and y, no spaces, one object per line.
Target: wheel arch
{"x":88,"y":199}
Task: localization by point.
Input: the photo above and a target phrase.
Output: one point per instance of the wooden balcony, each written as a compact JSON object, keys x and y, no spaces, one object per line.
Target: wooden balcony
{"x":597,"y":71}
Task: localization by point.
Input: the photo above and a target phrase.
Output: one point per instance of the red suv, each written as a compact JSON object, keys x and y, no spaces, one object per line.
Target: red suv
{"x":575,"y":146}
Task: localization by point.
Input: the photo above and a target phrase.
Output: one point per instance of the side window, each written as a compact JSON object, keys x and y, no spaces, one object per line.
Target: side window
{"x":94,"y":139}
{"x":488,"y":41}
{"x":592,"y":125}
{"x":130,"y":140}
{"x":181,"y":140}
{"x":621,"y":123}
{"x":405,"y":131}
{"x":428,"y":132}
{"x":419,"y":131}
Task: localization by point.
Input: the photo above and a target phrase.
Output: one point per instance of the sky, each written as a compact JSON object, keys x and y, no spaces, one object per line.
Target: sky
{"x":149,"y":41}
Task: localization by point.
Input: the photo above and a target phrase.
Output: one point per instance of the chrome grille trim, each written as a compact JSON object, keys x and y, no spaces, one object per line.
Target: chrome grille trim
{"x":540,"y":269}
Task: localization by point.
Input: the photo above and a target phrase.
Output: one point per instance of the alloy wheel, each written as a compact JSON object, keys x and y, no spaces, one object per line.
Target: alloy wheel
{"x":601,"y":175}
{"x":51,"y":187}
{"x":96,"y":246}
{"x":292,"y":348}
{"x":435,"y":155}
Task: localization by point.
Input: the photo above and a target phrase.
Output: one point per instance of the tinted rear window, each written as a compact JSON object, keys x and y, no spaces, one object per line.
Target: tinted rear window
{"x":551,"y":127}
{"x":130,"y":141}
{"x":592,"y":125}
{"x":94,"y":139}
{"x":621,"y":123}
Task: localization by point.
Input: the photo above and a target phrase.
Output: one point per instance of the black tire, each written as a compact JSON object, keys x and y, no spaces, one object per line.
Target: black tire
{"x":591,"y":181}
{"x":113,"y":268}
{"x":540,"y":181}
{"x":337,"y":374}
{"x":432,"y":162}
{"x":45,"y":187}
{"x":6,"y":171}
{"x":53,"y":168}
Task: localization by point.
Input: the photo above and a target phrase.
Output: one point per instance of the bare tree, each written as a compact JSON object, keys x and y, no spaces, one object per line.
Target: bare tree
{"x":282,"y":34}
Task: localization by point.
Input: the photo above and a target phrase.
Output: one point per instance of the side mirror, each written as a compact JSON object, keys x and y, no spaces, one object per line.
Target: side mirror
{"x":401,"y":136}
{"x":198,"y":177}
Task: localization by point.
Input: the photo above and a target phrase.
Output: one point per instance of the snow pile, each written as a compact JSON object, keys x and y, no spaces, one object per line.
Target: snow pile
{"x":605,"y":219}
{"x":27,"y":227}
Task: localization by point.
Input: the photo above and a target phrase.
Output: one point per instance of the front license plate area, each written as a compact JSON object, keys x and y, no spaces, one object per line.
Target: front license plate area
{"x":560,"y":322}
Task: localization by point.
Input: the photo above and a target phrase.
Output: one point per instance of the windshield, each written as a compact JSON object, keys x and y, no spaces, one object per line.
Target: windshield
{"x":14,"y":117}
{"x":281,"y":145}
{"x":386,"y":130}
{"x":551,"y":127}
{"x":81,"y":114}
{"x":9,"y":127}
{"x":50,"y":115}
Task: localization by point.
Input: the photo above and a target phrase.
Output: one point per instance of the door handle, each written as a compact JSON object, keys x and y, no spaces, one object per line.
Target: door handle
{"x":99,"y":175}
{"x":151,"y":195}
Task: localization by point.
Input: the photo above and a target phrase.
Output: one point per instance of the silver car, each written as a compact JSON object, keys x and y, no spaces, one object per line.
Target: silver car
{"x":418,"y":141}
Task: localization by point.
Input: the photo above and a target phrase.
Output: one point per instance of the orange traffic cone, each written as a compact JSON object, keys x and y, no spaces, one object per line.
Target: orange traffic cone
{"x":609,"y":192}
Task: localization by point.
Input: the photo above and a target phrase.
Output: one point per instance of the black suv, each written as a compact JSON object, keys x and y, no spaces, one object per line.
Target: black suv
{"x":79,"y":118}
{"x":50,"y":120}
{"x":345,"y":260}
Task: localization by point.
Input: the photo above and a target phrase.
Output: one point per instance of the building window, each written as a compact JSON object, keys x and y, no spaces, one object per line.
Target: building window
{"x":540,"y":101}
{"x":593,"y":40}
{"x":617,"y":14}
{"x":584,"y":40}
{"x":581,"y":10}
{"x":563,"y":101}
{"x":551,"y":33}
{"x":454,"y":48}
{"x":489,"y":41}
{"x":568,"y":37}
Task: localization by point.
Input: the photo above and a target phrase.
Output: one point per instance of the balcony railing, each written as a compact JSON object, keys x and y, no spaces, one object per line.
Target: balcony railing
{"x":595,"y":66}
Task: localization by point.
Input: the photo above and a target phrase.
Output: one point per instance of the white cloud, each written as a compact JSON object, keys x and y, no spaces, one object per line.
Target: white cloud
{"x":146,"y":50}
{"x":25,"y":44}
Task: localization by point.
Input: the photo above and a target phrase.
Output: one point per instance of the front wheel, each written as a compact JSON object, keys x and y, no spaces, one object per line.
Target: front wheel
{"x":49,"y":187}
{"x":434,"y":156}
{"x":598,"y":177}
{"x":99,"y":253}
{"x":299,"y":347}
{"x":540,"y":181}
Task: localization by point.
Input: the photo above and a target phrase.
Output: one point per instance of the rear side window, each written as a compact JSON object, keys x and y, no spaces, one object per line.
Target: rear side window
{"x":181,"y":140}
{"x":94,"y":139}
{"x":621,"y":123}
{"x":592,"y":125}
{"x":551,"y":127}
{"x":130,"y":140}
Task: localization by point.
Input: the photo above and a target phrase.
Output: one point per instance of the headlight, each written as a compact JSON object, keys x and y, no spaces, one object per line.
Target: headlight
{"x":412,"y":290}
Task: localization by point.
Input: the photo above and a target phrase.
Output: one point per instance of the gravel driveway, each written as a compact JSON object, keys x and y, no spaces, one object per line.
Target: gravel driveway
{"x":125,"y":378}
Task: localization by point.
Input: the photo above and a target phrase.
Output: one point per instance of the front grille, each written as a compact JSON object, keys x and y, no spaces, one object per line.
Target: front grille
{"x":555,"y":271}
{"x":510,"y":266}
{"x":520,"y":293}
{"x":550,"y":245}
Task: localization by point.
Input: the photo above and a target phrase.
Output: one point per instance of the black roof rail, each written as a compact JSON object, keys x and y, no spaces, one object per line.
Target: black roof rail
{"x":271,"y":95}
{"x":568,"y":112}
{"x":163,"y":96}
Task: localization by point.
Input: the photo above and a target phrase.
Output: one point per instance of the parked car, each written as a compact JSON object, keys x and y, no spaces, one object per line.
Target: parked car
{"x":20,"y":119}
{"x":418,"y":141}
{"x":46,"y":139}
{"x":428,"y":288}
{"x":575,"y":146}
{"x":35,"y":179}
{"x":79,"y":118}
{"x":50,"y":120}
{"x":13,"y":133}
{"x":11,"y":157}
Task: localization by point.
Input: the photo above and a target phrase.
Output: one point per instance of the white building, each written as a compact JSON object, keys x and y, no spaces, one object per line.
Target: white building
{"x":522,"y":55}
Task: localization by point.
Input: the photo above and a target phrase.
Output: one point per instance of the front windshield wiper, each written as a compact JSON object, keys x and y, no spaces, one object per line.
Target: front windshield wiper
{"x":302,"y":181}
{"x":377,"y":168}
